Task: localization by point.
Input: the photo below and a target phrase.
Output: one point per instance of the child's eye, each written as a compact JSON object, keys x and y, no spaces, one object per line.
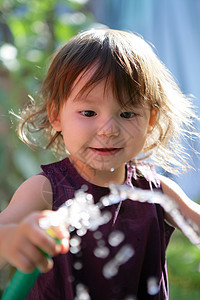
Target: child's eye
{"x":127,"y":115}
{"x":88,"y":113}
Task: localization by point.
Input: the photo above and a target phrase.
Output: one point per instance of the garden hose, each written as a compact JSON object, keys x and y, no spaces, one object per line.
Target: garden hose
{"x":21,"y":283}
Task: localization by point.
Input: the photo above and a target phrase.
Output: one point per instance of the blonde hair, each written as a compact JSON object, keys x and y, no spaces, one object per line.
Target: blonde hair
{"x":135,"y":71}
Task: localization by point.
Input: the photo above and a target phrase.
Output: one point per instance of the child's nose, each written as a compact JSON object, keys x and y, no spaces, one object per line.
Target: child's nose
{"x":109,"y":128}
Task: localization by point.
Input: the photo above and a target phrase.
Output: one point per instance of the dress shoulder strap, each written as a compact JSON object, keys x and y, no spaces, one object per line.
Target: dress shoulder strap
{"x":142,"y":169}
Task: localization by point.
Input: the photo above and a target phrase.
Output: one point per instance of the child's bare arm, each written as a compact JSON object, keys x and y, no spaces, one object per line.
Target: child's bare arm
{"x":189,"y":208}
{"x":33,"y":195}
{"x":20,"y":234}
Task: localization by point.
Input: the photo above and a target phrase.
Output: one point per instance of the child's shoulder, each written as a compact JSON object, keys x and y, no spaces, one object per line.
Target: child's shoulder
{"x":189,"y":208}
{"x":34,"y":194}
{"x":38,"y":192}
{"x":171,"y":188}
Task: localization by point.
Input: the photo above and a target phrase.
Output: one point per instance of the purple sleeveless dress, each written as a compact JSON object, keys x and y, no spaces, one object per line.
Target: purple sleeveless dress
{"x":144,"y":231}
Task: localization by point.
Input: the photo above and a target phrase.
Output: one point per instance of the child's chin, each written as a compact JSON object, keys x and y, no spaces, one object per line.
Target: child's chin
{"x":102,"y":166}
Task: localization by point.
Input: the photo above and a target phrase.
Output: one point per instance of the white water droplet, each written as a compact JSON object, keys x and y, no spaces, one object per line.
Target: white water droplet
{"x":101,"y":243}
{"x":130,"y":297}
{"x":75,"y":244}
{"x":81,"y":292}
{"x":74,"y":250}
{"x":112,"y":170}
{"x":97,"y":235}
{"x":152,"y":286}
{"x":110,"y":270}
{"x":75,"y":241}
{"x":124,"y":254}
{"x":84,"y":187}
{"x":81,"y":231}
{"x":115,"y":238}
{"x":78,"y":265}
{"x":101,"y":252}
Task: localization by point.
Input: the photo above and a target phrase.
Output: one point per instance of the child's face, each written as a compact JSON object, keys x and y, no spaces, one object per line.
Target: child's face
{"x":97,"y":131}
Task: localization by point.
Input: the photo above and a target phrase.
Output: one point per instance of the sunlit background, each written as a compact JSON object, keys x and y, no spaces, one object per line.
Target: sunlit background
{"x":31,"y":30}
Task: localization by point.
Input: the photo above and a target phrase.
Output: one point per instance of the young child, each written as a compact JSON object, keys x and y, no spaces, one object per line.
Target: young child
{"x":107,"y":104}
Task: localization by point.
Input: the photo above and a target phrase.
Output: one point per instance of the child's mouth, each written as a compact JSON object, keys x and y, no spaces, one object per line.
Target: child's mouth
{"x":106,"y":151}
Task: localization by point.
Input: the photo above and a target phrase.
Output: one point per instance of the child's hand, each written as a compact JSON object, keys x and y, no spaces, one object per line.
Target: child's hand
{"x":21,"y":244}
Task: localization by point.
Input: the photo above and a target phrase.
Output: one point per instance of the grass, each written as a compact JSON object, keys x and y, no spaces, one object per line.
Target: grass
{"x":183,"y":268}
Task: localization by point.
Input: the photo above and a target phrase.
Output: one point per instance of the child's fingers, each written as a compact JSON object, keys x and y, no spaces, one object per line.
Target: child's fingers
{"x":23,"y":244}
{"x":61,"y":231}
{"x":64,"y":245}
{"x":36,"y":258}
{"x":46,"y":265}
{"x":28,"y":256}
{"x":26,"y":265}
{"x":39,"y":237}
{"x":22,"y":263}
{"x":45,"y":242}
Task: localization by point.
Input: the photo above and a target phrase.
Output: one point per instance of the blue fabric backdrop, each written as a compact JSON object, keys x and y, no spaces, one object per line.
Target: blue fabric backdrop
{"x":173,"y":27}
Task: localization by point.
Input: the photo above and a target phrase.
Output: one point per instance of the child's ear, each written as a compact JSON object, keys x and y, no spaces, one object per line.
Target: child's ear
{"x":56,"y":124}
{"x":54,"y":119}
{"x":153,"y":117}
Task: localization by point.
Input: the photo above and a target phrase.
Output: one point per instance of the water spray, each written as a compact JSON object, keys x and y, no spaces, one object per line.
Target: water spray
{"x":83,"y":214}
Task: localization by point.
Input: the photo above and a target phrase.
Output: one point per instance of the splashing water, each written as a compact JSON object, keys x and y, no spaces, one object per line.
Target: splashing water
{"x":75,"y":244}
{"x":130,"y":298}
{"x":78,"y":265}
{"x":111,"y":268}
{"x":83,"y":214}
{"x":81,"y":292}
{"x":101,"y":252}
{"x":97,"y":235}
{"x":115,"y":238}
{"x":152,"y":286}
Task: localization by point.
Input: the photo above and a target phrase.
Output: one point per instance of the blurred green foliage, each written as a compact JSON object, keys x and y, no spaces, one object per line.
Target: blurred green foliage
{"x":30,"y":32}
{"x":183,"y":268}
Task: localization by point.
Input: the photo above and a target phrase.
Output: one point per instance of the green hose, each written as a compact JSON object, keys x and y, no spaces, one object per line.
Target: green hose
{"x":21,"y":283}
